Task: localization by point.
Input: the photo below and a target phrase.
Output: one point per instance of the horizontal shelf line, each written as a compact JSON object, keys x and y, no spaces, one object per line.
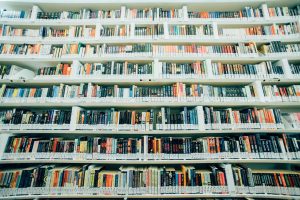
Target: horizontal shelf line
{"x":142,"y":162}
{"x":173,"y":40}
{"x":148,"y":196}
{"x":143,"y":57}
{"x":134,"y":104}
{"x":150,"y":21}
{"x":154,"y":132}
{"x":142,"y":80}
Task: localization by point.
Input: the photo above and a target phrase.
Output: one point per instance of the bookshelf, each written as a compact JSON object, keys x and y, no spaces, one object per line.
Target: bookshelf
{"x":159,"y":99}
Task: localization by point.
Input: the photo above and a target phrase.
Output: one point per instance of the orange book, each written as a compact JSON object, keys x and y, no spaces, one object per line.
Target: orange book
{"x":222,"y":178}
{"x":13,"y":183}
{"x":129,"y":146}
{"x":208,"y":145}
{"x":154,"y":146}
{"x":55,"y":140}
{"x":15,"y":144}
{"x":282,"y":179}
{"x":74,"y":49}
{"x":183,"y":169}
{"x":213,"y":145}
{"x":218,"y":145}
{"x":159,"y":146}
{"x":55,"y":179}
{"x":133,"y":122}
{"x":247,"y":141}
{"x":68,"y":70}
{"x":93,"y":32}
{"x":65,"y":69}
{"x":276,"y":180}
{"x":88,"y":69}
{"x":108,"y":180}
{"x":32,"y":92}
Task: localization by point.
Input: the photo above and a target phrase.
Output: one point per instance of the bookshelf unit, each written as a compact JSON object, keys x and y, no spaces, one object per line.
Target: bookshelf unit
{"x":159,"y":99}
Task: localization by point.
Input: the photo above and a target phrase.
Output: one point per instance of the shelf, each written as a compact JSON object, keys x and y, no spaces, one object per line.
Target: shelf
{"x":30,"y":60}
{"x":148,"y":196}
{"x":93,"y":22}
{"x":148,"y":162}
{"x":149,"y":103}
{"x":155,"y":132}
{"x":172,"y":39}
{"x":123,"y":80}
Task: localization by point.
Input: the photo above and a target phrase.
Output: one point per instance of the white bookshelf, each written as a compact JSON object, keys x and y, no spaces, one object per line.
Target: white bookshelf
{"x":32,"y":62}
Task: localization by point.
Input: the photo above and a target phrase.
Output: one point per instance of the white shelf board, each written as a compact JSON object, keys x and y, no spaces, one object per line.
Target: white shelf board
{"x":154,"y":132}
{"x":153,"y":104}
{"x":142,"y":81}
{"x":143,"y":162}
{"x":93,"y":22}
{"x":148,"y":196}
{"x":142,"y":57}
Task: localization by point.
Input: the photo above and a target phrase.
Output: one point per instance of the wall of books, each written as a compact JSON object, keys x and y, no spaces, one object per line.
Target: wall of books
{"x":158,"y":99}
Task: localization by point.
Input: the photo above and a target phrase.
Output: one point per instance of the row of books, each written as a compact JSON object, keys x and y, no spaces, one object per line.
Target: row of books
{"x":284,"y":11}
{"x":164,"y":118}
{"x":108,"y":68}
{"x":153,"y":30}
{"x":50,"y":32}
{"x":175,"y":90}
{"x":82,"y":14}
{"x":22,"y":116}
{"x":282,"y":92}
{"x":14,"y":14}
{"x":144,"y":180}
{"x":86,"y":50}
{"x":62,"y":90}
{"x":278,"y":47}
{"x":257,"y":146}
{"x":187,"y":30}
{"x":153,"y":13}
{"x":246,"y":12}
{"x":275,"y":29}
{"x":295,"y":68}
{"x":122,"y":30}
{"x":93,"y":176}
{"x":244,"y":176}
{"x":192,"y":92}
{"x":241,"y":48}
{"x":197,"y":69}
{"x":227,"y":116}
{"x":261,"y":70}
